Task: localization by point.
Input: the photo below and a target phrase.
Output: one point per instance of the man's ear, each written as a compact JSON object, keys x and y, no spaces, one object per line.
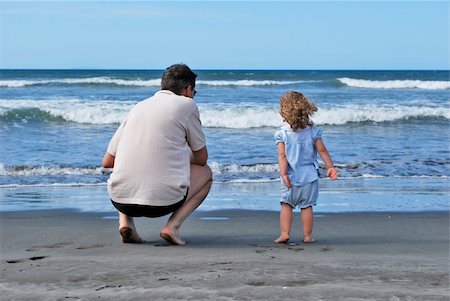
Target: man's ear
{"x":185,"y":92}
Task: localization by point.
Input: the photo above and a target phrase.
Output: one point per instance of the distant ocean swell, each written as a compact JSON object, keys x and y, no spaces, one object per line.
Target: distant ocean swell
{"x":213,"y":115}
{"x":136,"y":82}
{"x":351,"y":82}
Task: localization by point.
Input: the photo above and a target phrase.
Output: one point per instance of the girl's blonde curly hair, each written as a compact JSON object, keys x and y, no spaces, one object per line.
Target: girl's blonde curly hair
{"x":296,"y":109}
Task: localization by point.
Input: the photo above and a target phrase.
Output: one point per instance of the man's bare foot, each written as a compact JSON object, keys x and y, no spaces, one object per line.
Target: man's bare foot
{"x":282,"y":239}
{"x":129,"y":236}
{"x":171,"y":237}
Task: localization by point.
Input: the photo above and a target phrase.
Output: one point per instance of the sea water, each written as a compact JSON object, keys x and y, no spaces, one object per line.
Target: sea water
{"x":387,"y":131}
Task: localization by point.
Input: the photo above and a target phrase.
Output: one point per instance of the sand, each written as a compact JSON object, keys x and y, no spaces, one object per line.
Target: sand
{"x":70,"y":255}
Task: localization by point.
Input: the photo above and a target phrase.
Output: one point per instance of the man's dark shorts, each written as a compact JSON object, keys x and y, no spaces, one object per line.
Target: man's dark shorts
{"x":136,"y":210}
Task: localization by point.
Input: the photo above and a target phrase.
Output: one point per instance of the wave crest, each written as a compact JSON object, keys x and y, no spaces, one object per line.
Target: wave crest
{"x":371,"y":113}
{"x":82,"y":81}
{"x":241,"y":116}
{"x":395,"y":84}
{"x":70,"y":110}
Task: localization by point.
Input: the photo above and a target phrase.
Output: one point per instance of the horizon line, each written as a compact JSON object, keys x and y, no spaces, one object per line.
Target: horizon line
{"x":215,"y":69}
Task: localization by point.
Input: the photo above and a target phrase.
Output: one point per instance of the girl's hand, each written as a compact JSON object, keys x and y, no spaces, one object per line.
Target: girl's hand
{"x":332,"y":173}
{"x":286,"y":181}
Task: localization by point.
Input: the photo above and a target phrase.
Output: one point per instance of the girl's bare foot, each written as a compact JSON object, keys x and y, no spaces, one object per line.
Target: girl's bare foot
{"x":171,"y":237}
{"x":307,"y":239}
{"x":130,"y":236}
{"x":284,"y":238}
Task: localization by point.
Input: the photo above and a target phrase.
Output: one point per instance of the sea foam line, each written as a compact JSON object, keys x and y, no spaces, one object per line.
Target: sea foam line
{"x":217,"y":168}
{"x":395,"y":84}
{"x":367,"y":177}
{"x":49,"y":170}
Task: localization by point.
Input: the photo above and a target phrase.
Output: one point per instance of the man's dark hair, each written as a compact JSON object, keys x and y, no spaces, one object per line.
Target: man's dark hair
{"x":178,"y":77}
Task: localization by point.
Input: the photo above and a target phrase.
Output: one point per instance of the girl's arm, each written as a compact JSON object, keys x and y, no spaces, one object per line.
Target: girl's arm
{"x":322,"y":150}
{"x":283,"y":164}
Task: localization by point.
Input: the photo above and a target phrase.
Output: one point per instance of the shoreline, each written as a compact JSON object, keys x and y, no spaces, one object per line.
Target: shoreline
{"x":369,"y":195}
{"x":68,"y":254}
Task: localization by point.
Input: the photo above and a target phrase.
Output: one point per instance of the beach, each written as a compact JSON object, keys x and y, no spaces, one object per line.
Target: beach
{"x":73,"y":255}
{"x":74,"y":72}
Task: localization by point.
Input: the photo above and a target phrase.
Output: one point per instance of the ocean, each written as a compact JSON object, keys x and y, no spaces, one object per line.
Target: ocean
{"x":387,"y":131}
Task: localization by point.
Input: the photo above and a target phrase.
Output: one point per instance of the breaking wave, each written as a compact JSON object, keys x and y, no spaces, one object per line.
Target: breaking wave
{"x":395,"y":84}
{"x":239,"y":116}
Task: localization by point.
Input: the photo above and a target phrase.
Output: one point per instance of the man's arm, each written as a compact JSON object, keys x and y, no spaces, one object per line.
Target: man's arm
{"x":200,"y":157}
{"x":108,"y":160}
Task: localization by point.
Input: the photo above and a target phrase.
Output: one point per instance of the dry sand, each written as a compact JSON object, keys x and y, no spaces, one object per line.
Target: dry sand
{"x":68,"y":255}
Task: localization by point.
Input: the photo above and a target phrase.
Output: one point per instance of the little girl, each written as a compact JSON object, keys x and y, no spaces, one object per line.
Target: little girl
{"x":298,"y":145}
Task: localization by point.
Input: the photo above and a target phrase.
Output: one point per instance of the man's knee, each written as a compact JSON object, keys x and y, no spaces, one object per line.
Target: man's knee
{"x":208,"y":172}
{"x":207,"y":176}
{"x":201,"y":173}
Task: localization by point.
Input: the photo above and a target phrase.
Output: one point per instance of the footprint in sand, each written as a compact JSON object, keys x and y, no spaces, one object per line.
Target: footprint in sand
{"x":54,"y":246}
{"x":90,"y":247}
{"x":23,"y":260}
{"x":296,"y":249}
{"x":260,"y":251}
{"x":326,"y":249}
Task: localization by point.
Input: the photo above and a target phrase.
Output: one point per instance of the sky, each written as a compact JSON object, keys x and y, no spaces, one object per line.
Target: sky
{"x":225,"y":34}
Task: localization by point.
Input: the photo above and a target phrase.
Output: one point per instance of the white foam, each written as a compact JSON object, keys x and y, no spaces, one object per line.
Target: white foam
{"x":363,"y":113}
{"x":239,"y":116}
{"x":249,"y":181}
{"x":53,"y":185}
{"x":218,"y":168}
{"x":395,"y":84}
{"x":254,"y":117}
{"x":90,"y":80}
{"x":74,"y":110}
{"x":15,"y":83}
{"x":371,"y":176}
{"x":46,"y":170}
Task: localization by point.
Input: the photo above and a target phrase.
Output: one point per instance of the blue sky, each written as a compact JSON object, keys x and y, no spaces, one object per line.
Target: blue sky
{"x":225,"y":35}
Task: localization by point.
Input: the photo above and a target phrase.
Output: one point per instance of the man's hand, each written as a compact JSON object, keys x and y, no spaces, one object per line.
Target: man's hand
{"x":108,"y":160}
